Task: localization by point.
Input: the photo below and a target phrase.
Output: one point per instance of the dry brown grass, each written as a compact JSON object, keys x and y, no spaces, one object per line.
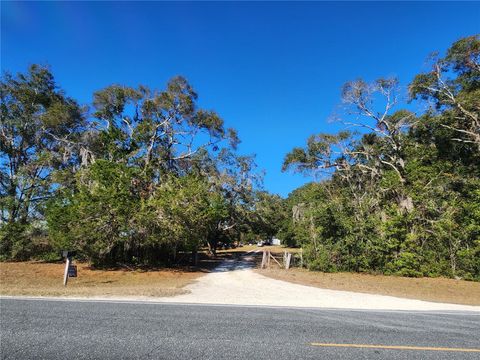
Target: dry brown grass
{"x":429,"y":289}
{"x":46,"y":279}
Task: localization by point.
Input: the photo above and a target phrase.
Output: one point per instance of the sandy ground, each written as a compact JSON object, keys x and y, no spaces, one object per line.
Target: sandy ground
{"x":235,"y":282}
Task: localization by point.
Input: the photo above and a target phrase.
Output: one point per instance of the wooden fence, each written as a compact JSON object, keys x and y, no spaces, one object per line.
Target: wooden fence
{"x":284,"y":261}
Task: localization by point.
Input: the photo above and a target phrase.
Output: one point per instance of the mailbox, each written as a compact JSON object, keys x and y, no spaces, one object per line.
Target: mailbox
{"x":72,"y":271}
{"x":68,"y":253}
{"x":70,"y":268}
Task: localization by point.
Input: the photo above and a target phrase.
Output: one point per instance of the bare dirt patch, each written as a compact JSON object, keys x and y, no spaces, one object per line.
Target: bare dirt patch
{"x":429,"y":289}
{"x":46,"y":279}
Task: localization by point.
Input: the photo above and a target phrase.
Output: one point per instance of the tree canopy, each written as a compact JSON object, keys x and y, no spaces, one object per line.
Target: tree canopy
{"x":401,"y":194}
{"x":140,"y":176}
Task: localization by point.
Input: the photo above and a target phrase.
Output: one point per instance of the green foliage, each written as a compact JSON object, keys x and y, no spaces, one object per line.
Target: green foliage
{"x":14,"y":242}
{"x":321,"y":259}
{"x":265,"y":219}
{"x":187,"y":210}
{"x":401,"y":196}
{"x":96,"y":218}
{"x":38,"y":123}
{"x":143,"y":177}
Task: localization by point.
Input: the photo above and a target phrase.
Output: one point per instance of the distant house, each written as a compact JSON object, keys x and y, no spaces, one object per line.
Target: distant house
{"x":276,"y":241}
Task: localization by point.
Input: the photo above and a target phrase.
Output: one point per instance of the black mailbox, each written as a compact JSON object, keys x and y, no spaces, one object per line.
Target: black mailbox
{"x":68,"y":253}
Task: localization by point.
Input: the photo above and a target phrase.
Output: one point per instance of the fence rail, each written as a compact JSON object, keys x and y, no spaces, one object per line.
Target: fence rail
{"x":285,"y":261}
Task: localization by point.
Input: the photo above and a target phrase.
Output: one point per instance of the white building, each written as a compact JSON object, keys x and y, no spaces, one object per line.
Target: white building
{"x":276,"y":241}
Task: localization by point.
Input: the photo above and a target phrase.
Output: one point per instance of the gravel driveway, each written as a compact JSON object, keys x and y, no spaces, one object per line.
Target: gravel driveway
{"x":234,"y":282}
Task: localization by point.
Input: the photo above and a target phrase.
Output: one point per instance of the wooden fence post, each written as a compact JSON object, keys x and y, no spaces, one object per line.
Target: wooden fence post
{"x":65,"y":276}
{"x":289,"y":258}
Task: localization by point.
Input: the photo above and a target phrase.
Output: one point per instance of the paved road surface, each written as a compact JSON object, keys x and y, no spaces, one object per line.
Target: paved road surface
{"x":46,"y":329}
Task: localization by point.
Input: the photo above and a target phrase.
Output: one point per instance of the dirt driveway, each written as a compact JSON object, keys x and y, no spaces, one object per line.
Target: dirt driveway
{"x":235,"y":282}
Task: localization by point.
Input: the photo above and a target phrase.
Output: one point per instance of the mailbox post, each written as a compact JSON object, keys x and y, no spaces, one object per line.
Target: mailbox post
{"x":70,"y":269}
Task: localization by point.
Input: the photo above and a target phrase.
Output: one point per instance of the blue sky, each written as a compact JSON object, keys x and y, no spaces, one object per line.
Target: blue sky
{"x":272,"y":70}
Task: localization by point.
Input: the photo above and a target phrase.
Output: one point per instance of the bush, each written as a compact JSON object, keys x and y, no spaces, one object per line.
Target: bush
{"x":15,"y":243}
{"x":321,"y":260}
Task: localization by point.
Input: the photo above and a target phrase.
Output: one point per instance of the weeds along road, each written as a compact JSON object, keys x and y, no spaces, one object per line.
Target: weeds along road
{"x":57,"y":329}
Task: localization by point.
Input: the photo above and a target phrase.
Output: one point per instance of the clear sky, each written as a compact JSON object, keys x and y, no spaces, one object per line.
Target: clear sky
{"x":271,"y":70}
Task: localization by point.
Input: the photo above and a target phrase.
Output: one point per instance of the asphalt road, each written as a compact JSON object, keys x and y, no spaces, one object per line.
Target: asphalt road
{"x":41,"y":329}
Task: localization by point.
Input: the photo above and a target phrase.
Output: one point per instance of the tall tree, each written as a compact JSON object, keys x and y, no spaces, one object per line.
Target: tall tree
{"x":453,"y":86}
{"x":183,"y":185}
{"x":397,"y":188}
{"x":37,"y":123}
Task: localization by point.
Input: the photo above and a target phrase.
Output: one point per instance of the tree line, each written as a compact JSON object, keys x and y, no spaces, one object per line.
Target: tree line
{"x":139,"y":176}
{"x":401,"y":193}
{"x":144,"y":176}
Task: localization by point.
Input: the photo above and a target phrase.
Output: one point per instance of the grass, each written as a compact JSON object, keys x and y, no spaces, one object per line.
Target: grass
{"x":428,"y":289}
{"x":35,"y":278}
{"x":46,"y":279}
